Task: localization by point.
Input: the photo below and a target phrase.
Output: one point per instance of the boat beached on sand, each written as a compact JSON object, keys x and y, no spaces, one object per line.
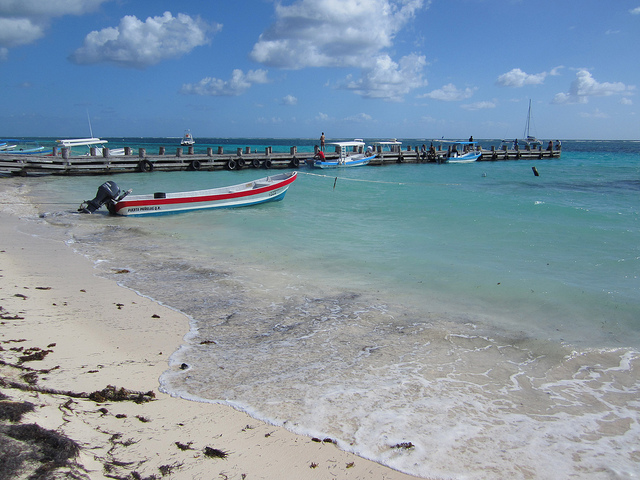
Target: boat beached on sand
{"x":350,"y":154}
{"x":262,"y":190}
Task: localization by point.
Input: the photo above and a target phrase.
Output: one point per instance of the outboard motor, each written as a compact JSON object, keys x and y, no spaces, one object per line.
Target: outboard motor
{"x":107,"y":192}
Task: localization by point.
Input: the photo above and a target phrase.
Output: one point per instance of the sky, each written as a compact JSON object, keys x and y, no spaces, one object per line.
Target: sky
{"x":296,"y":68}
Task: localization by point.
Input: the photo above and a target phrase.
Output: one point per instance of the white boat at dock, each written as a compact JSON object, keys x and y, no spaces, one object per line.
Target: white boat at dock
{"x":350,"y":154}
{"x":262,"y":190}
{"x":391,"y":146}
{"x":89,"y":143}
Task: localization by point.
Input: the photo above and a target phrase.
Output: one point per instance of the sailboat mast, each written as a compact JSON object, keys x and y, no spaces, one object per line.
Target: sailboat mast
{"x":89,"y":119}
{"x":526,"y":127}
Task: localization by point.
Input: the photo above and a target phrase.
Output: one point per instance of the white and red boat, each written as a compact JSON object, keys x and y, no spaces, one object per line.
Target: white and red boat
{"x":267,"y":189}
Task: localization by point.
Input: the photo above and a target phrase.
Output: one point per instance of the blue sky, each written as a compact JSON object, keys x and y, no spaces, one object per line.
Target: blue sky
{"x":296,"y":68}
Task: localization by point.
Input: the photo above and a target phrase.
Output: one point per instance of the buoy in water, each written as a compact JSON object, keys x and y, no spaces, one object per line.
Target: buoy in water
{"x":535,"y":171}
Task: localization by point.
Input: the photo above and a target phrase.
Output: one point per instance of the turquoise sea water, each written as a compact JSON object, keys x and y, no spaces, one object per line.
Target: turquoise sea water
{"x":487,"y":316}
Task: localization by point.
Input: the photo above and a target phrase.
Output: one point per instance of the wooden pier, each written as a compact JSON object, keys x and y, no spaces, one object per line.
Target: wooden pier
{"x":62,"y":163}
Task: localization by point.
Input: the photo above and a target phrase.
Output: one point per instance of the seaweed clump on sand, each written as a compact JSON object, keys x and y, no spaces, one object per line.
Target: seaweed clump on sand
{"x":13,"y":411}
{"x":30,"y":451}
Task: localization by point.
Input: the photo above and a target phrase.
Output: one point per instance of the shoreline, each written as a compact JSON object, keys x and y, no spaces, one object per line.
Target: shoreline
{"x":95,"y":334}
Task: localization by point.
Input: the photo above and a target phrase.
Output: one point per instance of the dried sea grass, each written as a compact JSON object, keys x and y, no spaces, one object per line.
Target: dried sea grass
{"x":109,"y":393}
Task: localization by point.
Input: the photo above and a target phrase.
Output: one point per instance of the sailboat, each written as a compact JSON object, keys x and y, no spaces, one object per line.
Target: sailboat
{"x":530,"y":140}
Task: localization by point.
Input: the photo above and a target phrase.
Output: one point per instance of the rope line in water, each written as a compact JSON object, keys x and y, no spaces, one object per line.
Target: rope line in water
{"x":374,"y":181}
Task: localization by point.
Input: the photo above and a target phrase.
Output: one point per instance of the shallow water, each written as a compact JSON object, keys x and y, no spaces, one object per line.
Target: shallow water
{"x":486,"y":317}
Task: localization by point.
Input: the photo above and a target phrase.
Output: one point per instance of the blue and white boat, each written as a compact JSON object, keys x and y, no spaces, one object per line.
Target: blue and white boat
{"x":23,"y":147}
{"x":350,"y":154}
{"x":468,"y":154}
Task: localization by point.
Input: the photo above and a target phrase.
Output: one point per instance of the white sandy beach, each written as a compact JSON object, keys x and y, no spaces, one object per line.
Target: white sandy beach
{"x":100,"y":334}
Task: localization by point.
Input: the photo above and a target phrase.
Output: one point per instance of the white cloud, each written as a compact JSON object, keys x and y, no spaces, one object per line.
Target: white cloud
{"x":138,"y":44}
{"x":332,"y":33}
{"x":389,"y":80}
{"x":518,"y":78}
{"x":359,"y":118}
{"x":596,"y":114}
{"x":555,"y":71}
{"x":345,"y":33}
{"x":237,"y":85}
{"x":24,"y":21}
{"x":19,"y":31}
{"x":269,"y":121}
{"x":635,"y":11}
{"x":288,"y":100}
{"x":626,"y":101}
{"x":561,"y":98}
{"x":450,"y":93}
{"x":479,"y":106}
{"x":585,"y":86}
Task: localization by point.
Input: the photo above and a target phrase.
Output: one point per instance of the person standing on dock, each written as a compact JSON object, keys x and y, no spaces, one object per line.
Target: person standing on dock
{"x":322,"y":142}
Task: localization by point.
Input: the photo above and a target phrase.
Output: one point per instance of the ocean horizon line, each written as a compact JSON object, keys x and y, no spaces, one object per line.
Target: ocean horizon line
{"x":56,"y":137}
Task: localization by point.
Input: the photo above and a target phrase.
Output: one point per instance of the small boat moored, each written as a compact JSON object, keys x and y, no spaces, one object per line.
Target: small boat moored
{"x":23,"y":147}
{"x":267,"y":189}
{"x":458,"y":151}
{"x":469,"y":153}
{"x":391,"y":146}
{"x":89,"y":143}
{"x":6,"y":147}
{"x":350,"y":154}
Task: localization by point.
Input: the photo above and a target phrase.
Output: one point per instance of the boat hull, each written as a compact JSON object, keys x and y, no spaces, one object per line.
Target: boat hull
{"x":268,"y":189}
{"x":360,"y":162}
{"x":466,"y":158}
{"x":29,"y":151}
